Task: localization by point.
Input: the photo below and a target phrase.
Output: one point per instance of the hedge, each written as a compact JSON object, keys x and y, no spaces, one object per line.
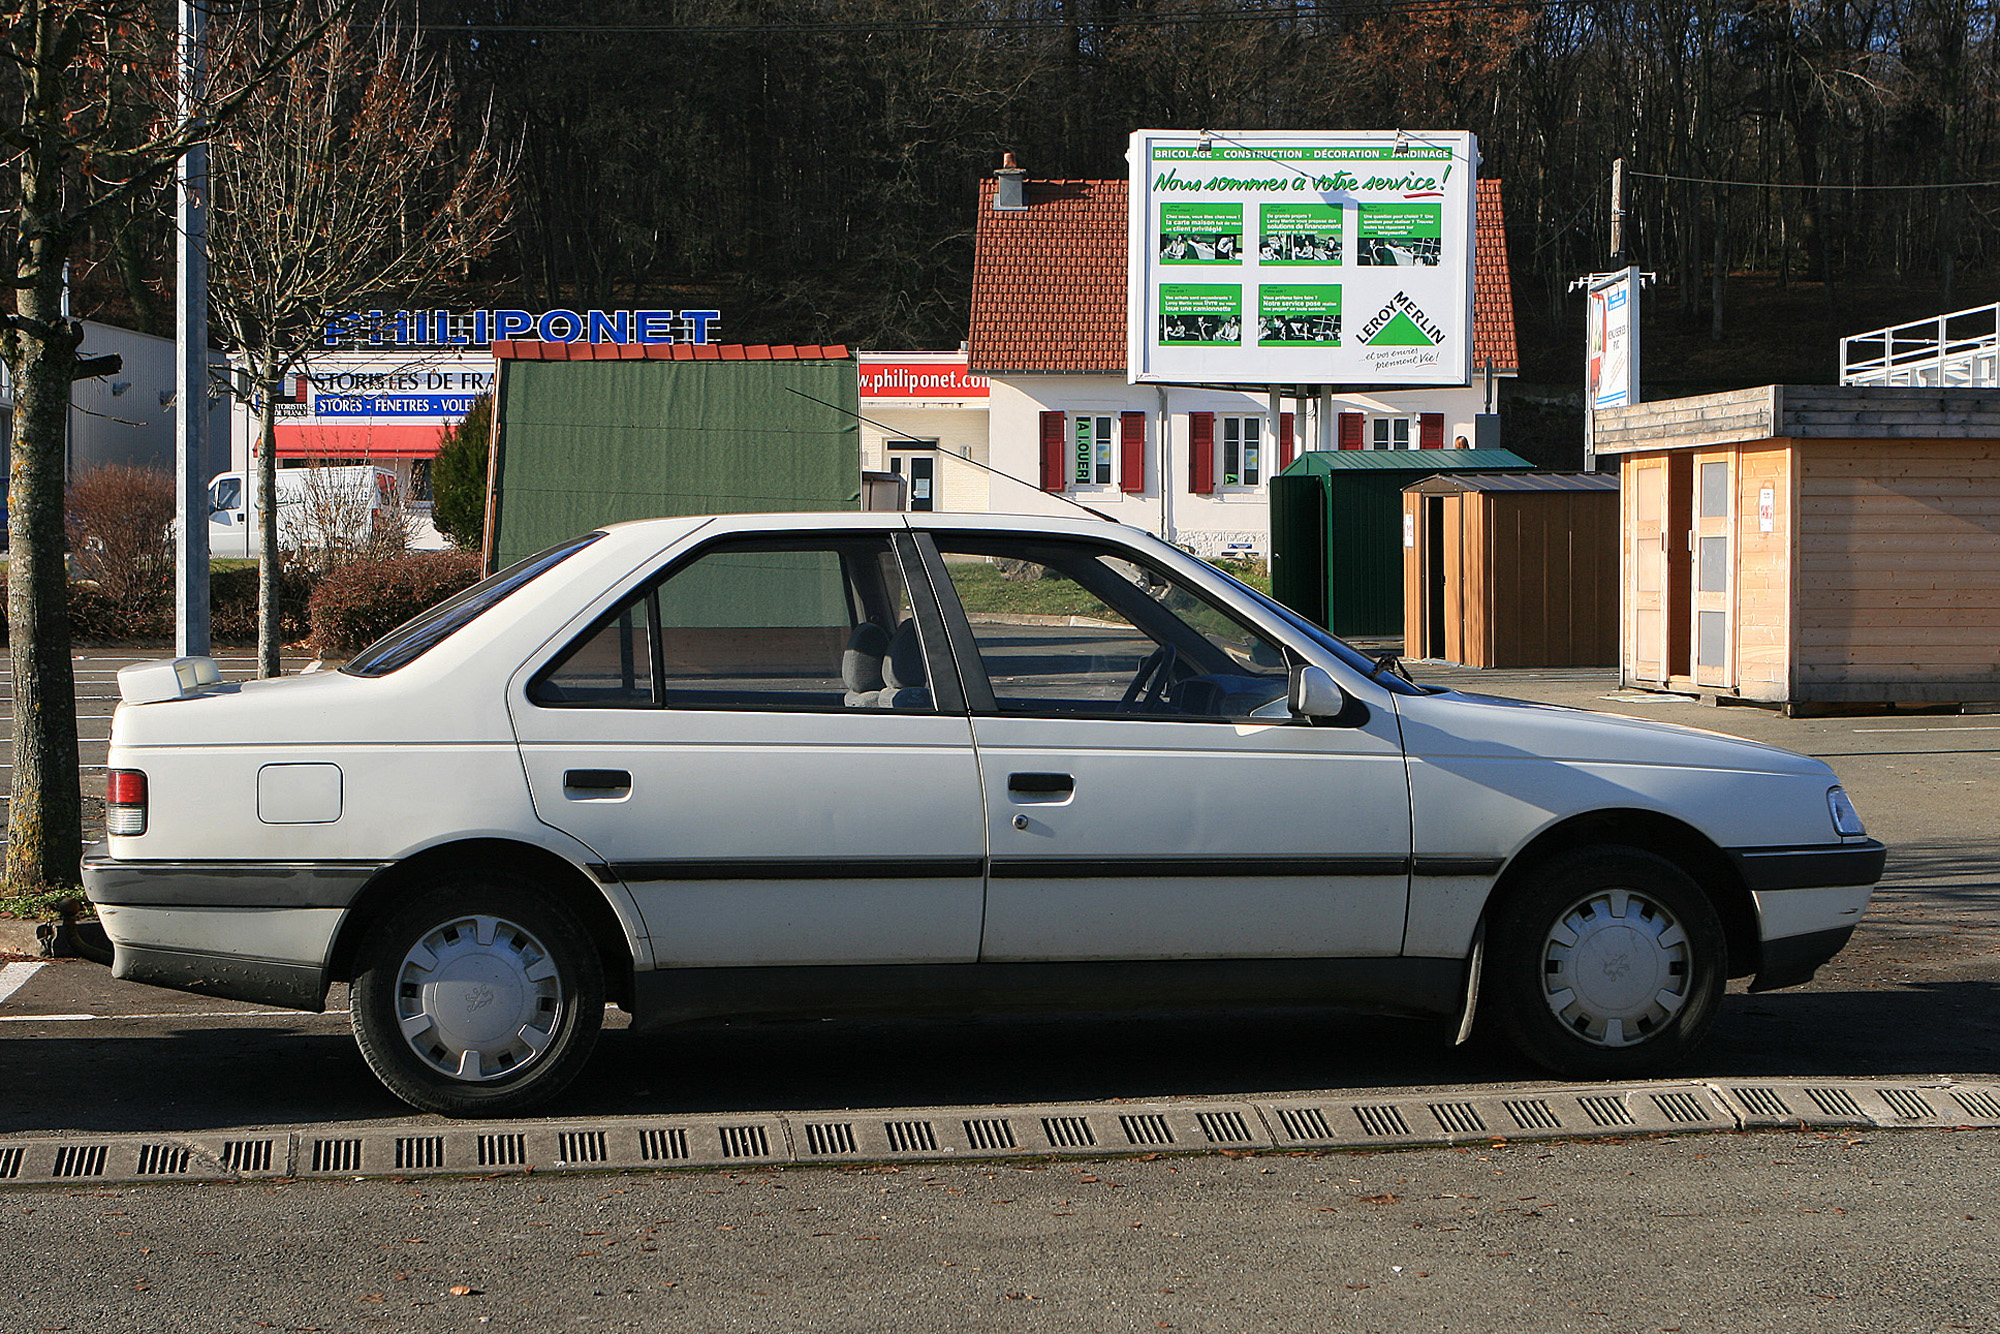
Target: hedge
{"x":357,"y":603}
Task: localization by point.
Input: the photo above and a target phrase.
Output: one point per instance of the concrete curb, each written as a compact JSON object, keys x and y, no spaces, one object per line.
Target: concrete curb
{"x":1338,"y":1122}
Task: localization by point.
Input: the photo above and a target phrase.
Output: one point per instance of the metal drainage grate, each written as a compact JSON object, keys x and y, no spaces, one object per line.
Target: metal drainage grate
{"x":1458,"y":1117}
{"x":581,"y":1146}
{"x":829,"y":1137}
{"x":247,"y":1155}
{"x":1834,"y":1102}
{"x":420,"y":1151}
{"x":1909,"y":1104}
{"x":911,"y":1136}
{"x":1380,"y":1118}
{"x":503,"y":1150}
{"x":744,"y":1142}
{"x":1068,"y":1132}
{"x":993,"y":1134}
{"x":342,"y":1155}
{"x":80,"y":1160}
{"x":163,"y":1160}
{"x":1682,"y":1107}
{"x":1606,"y":1111}
{"x":10,"y":1164}
{"x":1304,"y":1123}
{"x":1762,"y":1101}
{"x":658,"y":1146}
{"x":1977,"y":1103}
{"x":1533,"y":1114}
{"x":1146,"y":1128}
{"x":1223,"y":1127}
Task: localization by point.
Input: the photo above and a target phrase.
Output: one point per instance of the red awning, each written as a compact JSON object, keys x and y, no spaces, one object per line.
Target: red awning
{"x":359,"y":440}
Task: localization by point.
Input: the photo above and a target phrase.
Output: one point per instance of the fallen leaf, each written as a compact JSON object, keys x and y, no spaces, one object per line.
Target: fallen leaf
{"x":464,"y":1290}
{"x":1384,"y":1198}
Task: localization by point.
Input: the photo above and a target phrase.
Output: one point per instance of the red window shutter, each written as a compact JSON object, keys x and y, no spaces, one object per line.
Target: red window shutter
{"x":1132,"y":452}
{"x":1350,"y":430}
{"x":1053,"y":454}
{"x":1430,"y":430}
{"x":1288,"y":441}
{"x":1201,"y":453}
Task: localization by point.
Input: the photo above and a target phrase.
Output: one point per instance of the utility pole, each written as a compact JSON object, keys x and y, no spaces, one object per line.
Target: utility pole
{"x":1611,"y":320}
{"x":191,"y":619}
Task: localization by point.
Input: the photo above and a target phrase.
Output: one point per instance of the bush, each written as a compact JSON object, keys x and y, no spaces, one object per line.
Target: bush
{"x":458,"y":478}
{"x":358,"y":603}
{"x":232,"y":604}
{"x":121,"y":542}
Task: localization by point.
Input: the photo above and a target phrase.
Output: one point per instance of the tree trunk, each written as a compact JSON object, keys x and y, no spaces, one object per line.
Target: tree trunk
{"x":270,"y":630}
{"x":45,"y":809}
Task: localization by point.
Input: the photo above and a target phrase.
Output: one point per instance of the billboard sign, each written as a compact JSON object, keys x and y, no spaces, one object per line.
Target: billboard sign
{"x":1301,"y":257}
{"x":1613,"y":330}
{"x":914,"y":375}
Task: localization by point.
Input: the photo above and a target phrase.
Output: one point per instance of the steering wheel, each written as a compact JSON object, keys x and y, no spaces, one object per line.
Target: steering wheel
{"x":1150,"y":682}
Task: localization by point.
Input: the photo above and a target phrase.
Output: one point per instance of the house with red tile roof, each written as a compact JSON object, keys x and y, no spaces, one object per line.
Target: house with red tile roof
{"x":1193,"y":464}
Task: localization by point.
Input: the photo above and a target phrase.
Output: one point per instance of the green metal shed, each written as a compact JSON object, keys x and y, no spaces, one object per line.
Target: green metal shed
{"x":588,"y":435}
{"x":1337,"y":530}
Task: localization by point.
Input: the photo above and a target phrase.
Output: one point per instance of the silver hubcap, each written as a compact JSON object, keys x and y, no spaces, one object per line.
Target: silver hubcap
{"x":1615,"y":968}
{"x":478,"y":998}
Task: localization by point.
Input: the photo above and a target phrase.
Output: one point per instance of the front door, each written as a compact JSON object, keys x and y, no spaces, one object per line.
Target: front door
{"x":1713,"y":632}
{"x":751,"y":743}
{"x":1148,"y":794}
{"x":1647,"y":654}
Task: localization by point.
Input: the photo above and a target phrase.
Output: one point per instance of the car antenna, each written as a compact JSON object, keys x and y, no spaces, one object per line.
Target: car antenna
{"x":1008,"y":476}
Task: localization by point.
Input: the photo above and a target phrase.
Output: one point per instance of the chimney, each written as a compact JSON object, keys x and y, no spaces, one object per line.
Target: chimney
{"x":1011,"y":192}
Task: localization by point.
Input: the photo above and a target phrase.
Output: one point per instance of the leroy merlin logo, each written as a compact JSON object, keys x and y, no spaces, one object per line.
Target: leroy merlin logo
{"x":1401,"y":323}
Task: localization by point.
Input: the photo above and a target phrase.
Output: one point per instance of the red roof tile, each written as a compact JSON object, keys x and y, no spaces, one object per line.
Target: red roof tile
{"x":526,"y":350}
{"x":1048,"y":281}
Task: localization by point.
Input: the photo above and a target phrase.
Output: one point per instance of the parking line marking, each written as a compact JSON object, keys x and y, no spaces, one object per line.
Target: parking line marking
{"x":1927,"y":729}
{"x":14,"y":976}
{"x":182,"y":1014}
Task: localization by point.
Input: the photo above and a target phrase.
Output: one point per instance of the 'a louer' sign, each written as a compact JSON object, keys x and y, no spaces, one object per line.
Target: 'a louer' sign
{"x":370,"y":329}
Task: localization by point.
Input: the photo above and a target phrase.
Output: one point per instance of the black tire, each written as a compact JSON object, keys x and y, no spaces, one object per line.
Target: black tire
{"x":1605,"y":963}
{"x":512,"y":1017}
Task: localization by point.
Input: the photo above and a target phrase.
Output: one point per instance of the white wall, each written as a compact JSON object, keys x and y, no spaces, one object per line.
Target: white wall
{"x":961,"y":434}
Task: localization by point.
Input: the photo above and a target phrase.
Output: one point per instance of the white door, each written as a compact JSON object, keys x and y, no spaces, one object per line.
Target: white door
{"x":710,"y":741}
{"x":1136,"y":809}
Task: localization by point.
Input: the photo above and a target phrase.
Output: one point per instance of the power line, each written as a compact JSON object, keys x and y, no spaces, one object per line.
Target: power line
{"x":1799,"y":185}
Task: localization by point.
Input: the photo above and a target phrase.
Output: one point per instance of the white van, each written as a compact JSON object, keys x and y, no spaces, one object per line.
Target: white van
{"x":316,"y":507}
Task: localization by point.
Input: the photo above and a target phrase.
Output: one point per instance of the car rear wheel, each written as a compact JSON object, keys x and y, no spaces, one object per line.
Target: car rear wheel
{"x":1609,"y":963}
{"x":481,"y":996}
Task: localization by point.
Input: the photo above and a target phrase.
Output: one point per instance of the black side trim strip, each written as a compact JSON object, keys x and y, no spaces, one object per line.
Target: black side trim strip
{"x":1090,"y":868}
{"x":1458,"y":865}
{"x":817,"y":868}
{"x":1818,"y":867}
{"x":164,"y":884}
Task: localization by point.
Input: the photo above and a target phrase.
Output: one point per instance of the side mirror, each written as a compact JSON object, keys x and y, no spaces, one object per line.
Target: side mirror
{"x":1314,"y":693}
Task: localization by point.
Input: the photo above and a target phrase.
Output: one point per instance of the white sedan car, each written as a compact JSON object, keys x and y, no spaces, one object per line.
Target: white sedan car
{"x":821,"y":764}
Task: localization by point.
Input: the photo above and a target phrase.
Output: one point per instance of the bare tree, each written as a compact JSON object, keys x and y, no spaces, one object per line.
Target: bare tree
{"x":89,"y":130}
{"x":344,"y":182}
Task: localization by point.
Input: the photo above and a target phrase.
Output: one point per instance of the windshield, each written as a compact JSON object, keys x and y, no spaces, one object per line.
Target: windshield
{"x":1340,"y":648}
{"x":419,"y":635}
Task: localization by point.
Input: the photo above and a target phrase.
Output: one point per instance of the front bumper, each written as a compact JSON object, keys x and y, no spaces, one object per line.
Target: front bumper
{"x":1809,"y":900}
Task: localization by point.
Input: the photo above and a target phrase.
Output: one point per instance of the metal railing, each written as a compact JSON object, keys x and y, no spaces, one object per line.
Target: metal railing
{"x":1959,"y":350}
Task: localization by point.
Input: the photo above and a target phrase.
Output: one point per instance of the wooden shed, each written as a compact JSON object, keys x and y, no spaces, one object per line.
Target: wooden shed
{"x":1511,"y":569}
{"x":1808,"y":545}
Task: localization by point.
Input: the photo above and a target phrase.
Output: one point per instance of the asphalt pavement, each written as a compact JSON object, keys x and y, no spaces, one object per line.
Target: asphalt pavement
{"x":1832,"y":1227}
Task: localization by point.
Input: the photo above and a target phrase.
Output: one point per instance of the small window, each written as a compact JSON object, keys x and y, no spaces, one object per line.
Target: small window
{"x":1715,"y":490}
{"x":1092,"y":450}
{"x":1389,"y":433}
{"x":611,"y":667}
{"x":1242,"y":451}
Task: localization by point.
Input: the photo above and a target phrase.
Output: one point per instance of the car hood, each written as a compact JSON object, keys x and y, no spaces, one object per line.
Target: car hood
{"x":1455,"y":723}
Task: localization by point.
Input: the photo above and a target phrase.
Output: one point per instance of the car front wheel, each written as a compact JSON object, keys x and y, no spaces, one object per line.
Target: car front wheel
{"x":1608,"y":964}
{"x":481,"y":996}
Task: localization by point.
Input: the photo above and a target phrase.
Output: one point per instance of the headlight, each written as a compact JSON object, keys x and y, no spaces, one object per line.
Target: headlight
{"x":1846,"y":820}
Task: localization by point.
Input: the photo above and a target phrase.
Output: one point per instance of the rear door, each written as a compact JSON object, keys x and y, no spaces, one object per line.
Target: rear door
{"x":774,"y":782}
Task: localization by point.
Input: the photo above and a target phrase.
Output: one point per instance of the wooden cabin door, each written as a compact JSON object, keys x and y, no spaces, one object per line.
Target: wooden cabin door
{"x":1646,"y":653}
{"x":1713,"y":633}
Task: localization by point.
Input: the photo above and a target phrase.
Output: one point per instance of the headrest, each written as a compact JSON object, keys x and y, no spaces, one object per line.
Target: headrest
{"x":904,"y":666}
{"x":861,"y":661}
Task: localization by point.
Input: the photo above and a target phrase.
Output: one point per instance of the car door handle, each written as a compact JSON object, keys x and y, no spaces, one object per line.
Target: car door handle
{"x":596,"y":782}
{"x":1043,"y":786}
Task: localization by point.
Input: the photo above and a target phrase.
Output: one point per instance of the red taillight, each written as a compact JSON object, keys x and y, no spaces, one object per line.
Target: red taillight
{"x":125,"y":802}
